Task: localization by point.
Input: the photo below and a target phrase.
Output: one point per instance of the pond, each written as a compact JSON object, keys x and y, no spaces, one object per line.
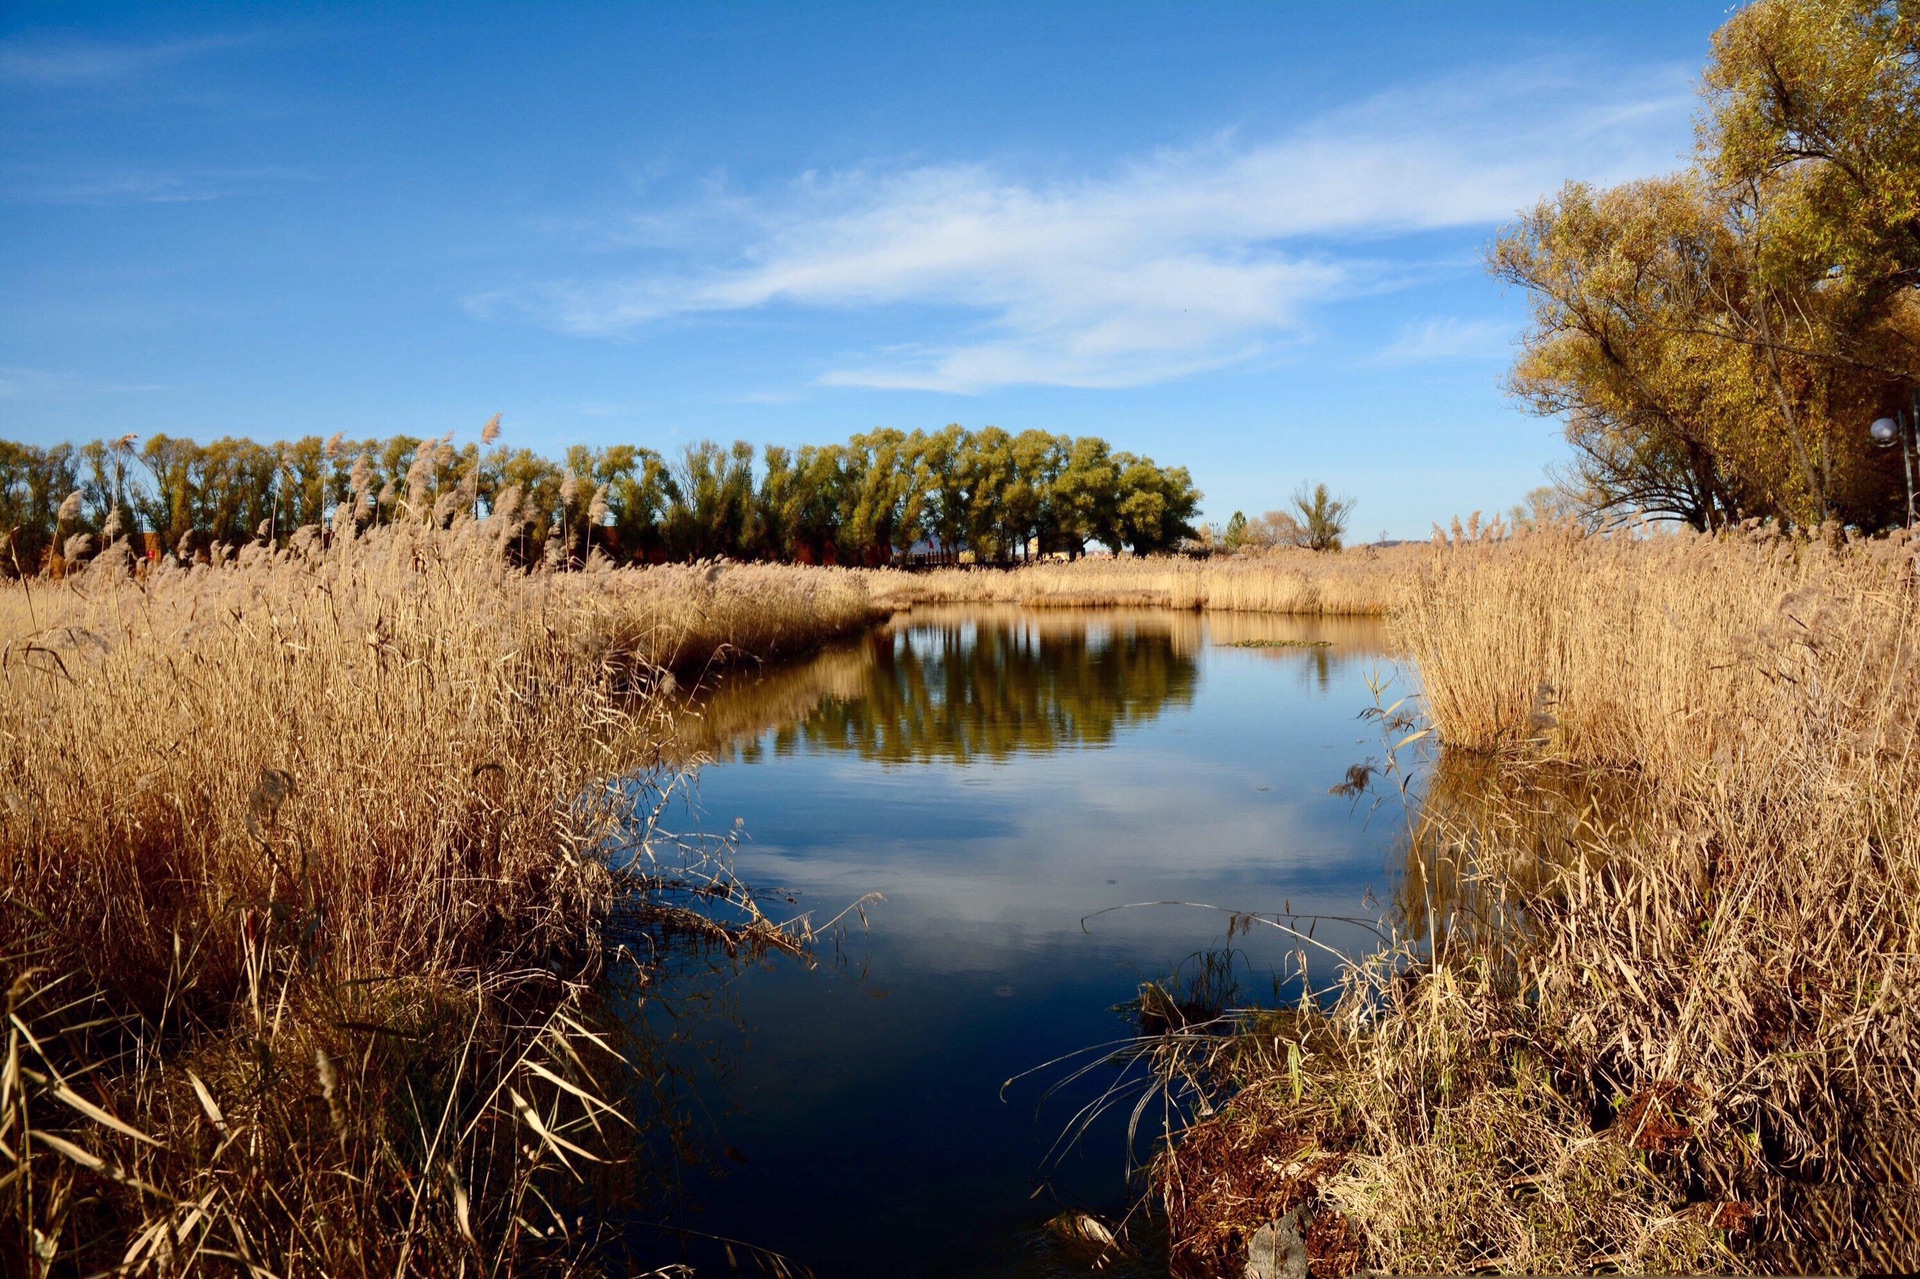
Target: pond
{"x":1017,"y":787}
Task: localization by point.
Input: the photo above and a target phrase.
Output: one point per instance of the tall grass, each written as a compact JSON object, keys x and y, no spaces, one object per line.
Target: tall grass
{"x":306,"y":886}
{"x":1358,"y":582}
{"x":1680,"y":1032}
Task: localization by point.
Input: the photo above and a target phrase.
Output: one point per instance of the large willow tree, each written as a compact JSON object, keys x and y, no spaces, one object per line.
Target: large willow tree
{"x":1717,"y":341}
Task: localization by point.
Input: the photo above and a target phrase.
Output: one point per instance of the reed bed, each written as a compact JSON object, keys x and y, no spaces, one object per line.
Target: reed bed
{"x":1669,"y":1030}
{"x":311,"y":865}
{"x":1359,"y":582}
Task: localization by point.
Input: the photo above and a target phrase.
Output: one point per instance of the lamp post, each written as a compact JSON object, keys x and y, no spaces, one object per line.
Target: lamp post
{"x":1903,"y":428}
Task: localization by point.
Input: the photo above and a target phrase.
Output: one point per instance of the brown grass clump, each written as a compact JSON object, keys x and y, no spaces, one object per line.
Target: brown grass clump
{"x":1675,"y":1033}
{"x":305,"y":895}
{"x":1359,"y":582}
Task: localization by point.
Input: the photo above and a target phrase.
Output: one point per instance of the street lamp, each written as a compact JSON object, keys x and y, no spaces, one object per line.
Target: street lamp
{"x":1903,"y":428}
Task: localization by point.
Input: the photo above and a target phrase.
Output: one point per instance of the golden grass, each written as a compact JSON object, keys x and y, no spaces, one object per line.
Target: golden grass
{"x":1676,"y":1033}
{"x":305,"y":895}
{"x":303,"y":902}
{"x":1357,"y":582}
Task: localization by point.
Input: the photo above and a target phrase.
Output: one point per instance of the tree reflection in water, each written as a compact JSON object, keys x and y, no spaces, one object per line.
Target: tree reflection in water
{"x":964,"y":684}
{"x":953,"y":686}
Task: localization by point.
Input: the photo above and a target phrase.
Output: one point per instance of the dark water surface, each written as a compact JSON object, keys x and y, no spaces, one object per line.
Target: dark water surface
{"x":999,"y":776}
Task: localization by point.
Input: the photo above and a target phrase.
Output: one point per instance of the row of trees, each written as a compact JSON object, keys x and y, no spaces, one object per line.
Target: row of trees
{"x":873,"y":500}
{"x":1719,"y":340}
{"x":1317,"y":522}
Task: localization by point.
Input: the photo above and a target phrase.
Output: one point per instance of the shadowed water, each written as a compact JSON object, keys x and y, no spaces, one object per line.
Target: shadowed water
{"x":1001,"y":777}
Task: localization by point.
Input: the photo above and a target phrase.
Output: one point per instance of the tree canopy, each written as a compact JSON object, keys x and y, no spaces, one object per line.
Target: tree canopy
{"x":876,"y":499}
{"x":1718,"y":340}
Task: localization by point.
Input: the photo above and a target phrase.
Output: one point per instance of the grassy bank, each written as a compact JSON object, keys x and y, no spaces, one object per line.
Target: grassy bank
{"x":1362,"y":581}
{"x":304,"y":897}
{"x":1680,"y":1032}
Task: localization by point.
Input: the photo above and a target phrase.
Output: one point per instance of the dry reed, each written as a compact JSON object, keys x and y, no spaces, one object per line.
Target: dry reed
{"x":1362,"y":581}
{"x":1678,"y":1037}
{"x":305,"y":894}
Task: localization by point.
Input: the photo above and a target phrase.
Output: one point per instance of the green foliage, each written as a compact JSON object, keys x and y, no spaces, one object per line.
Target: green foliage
{"x":1236,"y":531}
{"x":33,"y":483}
{"x":879,"y":498}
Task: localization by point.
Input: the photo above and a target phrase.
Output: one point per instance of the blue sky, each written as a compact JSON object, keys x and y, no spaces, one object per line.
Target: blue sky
{"x":1243,"y":238}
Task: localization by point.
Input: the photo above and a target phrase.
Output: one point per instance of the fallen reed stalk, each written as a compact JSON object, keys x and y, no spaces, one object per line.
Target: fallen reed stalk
{"x":1674,"y":1031}
{"x":309,"y":870}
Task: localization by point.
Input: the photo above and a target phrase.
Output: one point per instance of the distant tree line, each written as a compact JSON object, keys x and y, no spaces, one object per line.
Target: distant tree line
{"x":1718,"y":341}
{"x":1317,"y":522}
{"x":991,"y":495}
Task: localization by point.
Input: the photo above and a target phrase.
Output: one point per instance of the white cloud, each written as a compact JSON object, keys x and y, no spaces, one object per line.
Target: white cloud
{"x":50,"y":63}
{"x":1163,"y":266}
{"x":1449,"y":338}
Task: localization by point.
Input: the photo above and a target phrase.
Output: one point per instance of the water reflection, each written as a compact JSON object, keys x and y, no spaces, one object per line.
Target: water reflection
{"x":1014,"y":783}
{"x":963,"y":684}
{"x":1486,"y":830}
{"x":1021,"y":786}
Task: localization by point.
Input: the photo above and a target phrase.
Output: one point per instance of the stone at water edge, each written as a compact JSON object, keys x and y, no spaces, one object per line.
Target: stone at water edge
{"x":1278,"y":1250}
{"x":1083,"y":1234}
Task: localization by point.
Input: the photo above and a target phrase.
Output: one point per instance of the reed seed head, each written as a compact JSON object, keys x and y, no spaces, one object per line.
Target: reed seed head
{"x":507,"y":505}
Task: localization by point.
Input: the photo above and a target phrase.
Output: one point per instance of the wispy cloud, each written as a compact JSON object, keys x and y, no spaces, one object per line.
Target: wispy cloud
{"x":1170,"y":264}
{"x":53,"y":63}
{"x":26,"y":185}
{"x":42,"y":385}
{"x":1449,"y":338}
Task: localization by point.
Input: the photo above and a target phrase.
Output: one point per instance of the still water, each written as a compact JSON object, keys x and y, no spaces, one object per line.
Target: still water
{"x":999,"y":778}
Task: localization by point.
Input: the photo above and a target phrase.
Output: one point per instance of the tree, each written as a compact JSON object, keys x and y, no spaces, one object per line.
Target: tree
{"x":868,"y":501}
{"x":1155,"y":507}
{"x":637,"y":493}
{"x":1543,"y":507}
{"x":1818,"y":103}
{"x":710,"y":500}
{"x":1086,"y":494}
{"x":1322,"y":517}
{"x":948,"y":479}
{"x":1616,"y":279}
{"x":33,"y":484}
{"x":990,"y":474}
{"x":1236,"y":535}
{"x":1716,"y":340}
{"x":1027,"y":504}
{"x":886,"y":503}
